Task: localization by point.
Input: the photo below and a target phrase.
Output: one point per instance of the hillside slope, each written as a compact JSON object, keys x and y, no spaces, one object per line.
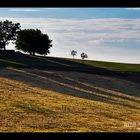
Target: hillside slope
{"x":130,"y":72}
{"x":47,"y":94}
{"x":24,"y":60}
{"x":33,"y":100}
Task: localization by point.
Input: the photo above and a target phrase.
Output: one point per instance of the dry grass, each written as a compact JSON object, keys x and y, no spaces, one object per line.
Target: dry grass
{"x":25,"y":108}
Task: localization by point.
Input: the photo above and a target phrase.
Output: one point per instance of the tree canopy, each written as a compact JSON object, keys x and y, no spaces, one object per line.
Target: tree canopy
{"x":84,"y":55}
{"x":8,"y":32}
{"x":33,"y":41}
{"x":73,"y":53}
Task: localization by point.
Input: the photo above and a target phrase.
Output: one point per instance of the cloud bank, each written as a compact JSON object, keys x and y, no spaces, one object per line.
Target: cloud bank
{"x":110,"y":39}
{"x":132,"y":8}
{"x":23,"y":10}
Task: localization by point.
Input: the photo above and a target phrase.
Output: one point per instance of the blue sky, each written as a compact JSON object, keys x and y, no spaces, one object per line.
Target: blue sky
{"x":107,"y":34}
{"x":71,"y":12}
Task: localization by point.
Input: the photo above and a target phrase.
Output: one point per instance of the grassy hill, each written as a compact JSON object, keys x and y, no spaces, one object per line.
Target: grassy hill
{"x":124,"y":67}
{"x":25,"y":108}
{"x":48,"y":94}
{"x":23,"y":60}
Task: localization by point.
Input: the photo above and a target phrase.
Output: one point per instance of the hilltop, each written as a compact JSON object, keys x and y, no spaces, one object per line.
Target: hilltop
{"x":20,"y":59}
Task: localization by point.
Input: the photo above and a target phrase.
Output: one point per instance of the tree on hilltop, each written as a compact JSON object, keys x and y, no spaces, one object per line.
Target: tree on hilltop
{"x":84,"y":55}
{"x":73,"y":53}
{"x":33,"y":41}
{"x":8,"y":32}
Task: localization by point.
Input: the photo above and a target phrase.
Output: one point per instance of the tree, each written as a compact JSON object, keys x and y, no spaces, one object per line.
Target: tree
{"x":73,"y":53}
{"x":8,"y":32}
{"x":84,"y":55}
{"x":33,"y":41}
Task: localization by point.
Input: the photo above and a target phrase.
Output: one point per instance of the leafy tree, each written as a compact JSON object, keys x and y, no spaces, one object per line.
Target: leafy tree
{"x":73,"y":53}
{"x":33,"y":41}
{"x":8,"y":32}
{"x":84,"y":55}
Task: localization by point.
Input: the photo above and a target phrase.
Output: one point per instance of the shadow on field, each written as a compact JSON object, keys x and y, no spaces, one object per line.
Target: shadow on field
{"x":19,"y":60}
{"x":81,"y":67}
{"x":71,"y":86}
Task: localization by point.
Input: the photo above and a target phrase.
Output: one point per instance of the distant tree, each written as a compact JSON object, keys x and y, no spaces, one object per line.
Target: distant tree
{"x":73,"y":53}
{"x":84,"y":55}
{"x":33,"y":41}
{"x":8,"y":32}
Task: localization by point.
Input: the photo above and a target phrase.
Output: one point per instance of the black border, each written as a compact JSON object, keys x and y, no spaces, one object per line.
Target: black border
{"x":70,"y":3}
{"x":68,"y":136}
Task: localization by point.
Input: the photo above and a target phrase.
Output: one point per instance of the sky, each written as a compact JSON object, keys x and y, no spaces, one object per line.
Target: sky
{"x":104,"y":34}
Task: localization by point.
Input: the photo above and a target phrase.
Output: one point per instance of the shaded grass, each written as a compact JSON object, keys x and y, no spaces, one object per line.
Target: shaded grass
{"x":4,"y":62}
{"x":33,"y":108}
{"x":111,"y":65}
{"x":20,"y":60}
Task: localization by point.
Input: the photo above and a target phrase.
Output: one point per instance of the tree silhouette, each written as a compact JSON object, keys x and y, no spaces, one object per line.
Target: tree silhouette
{"x":84,"y":55}
{"x":73,"y":53}
{"x":33,"y":41}
{"x":8,"y":32}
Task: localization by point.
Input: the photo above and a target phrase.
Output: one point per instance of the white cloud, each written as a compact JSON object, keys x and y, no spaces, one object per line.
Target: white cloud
{"x":132,"y":8}
{"x":51,"y":8}
{"x":24,"y":10}
{"x":30,"y":9}
{"x":102,"y":39}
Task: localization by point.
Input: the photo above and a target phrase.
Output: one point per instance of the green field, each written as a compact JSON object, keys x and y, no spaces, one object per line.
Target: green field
{"x":22,"y":60}
{"x":112,"y":65}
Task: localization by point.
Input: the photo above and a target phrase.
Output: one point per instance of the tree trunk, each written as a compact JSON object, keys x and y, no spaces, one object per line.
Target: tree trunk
{"x":4,"y":46}
{"x":33,"y":53}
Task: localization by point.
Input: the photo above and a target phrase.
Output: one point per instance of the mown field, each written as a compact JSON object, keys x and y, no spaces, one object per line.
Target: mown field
{"x":40,"y":94}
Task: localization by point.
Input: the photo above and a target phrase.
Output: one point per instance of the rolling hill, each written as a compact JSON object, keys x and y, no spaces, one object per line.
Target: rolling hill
{"x":23,"y":60}
{"x":47,"y":94}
